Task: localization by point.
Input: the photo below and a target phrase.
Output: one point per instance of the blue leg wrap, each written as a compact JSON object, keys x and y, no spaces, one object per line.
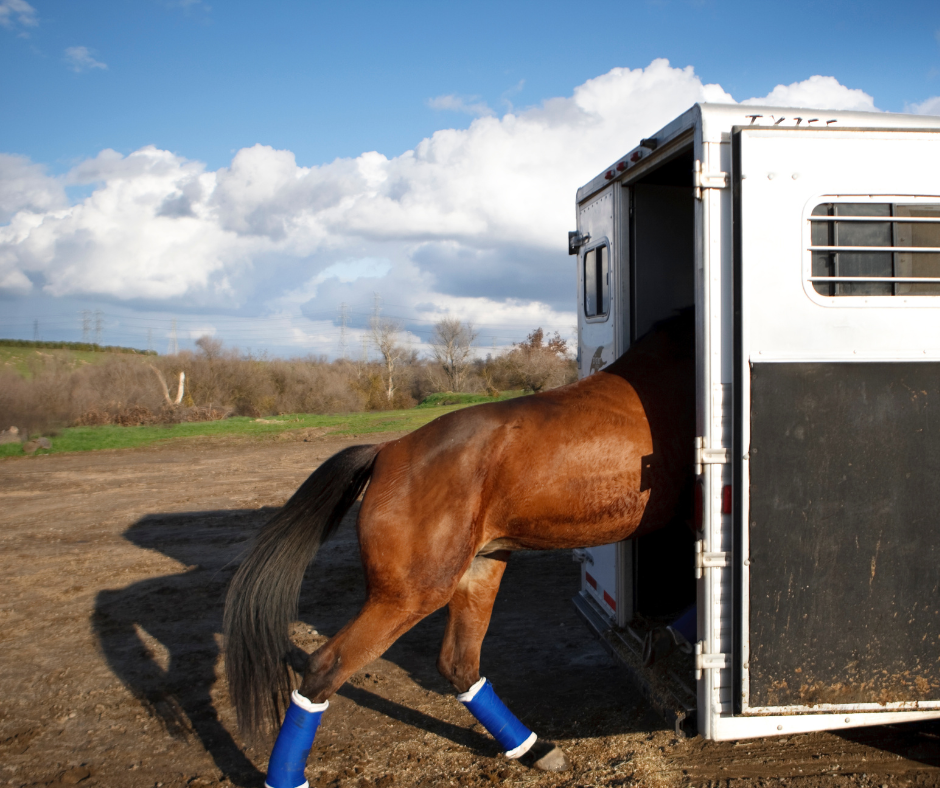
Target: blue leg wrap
{"x":492,"y":713}
{"x":687,"y":624}
{"x":289,"y":756}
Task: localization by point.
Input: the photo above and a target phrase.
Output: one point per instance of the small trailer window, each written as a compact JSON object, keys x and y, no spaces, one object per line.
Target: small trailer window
{"x":596,"y":282}
{"x":875,"y":249}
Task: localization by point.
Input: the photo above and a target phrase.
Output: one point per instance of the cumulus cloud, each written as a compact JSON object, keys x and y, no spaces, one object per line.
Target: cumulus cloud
{"x":470,"y":105}
{"x":24,"y":186}
{"x":817,"y":92}
{"x":470,"y":222}
{"x":80,"y":59}
{"x":13,"y":12}
{"x":929,"y":106}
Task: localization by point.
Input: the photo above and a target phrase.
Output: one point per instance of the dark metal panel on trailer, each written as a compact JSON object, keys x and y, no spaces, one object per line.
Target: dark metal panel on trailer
{"x":844,"y":533}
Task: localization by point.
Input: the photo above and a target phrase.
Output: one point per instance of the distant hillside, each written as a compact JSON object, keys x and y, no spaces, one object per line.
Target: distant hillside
{"x":26,"y":358}
{"x":84,"y":346}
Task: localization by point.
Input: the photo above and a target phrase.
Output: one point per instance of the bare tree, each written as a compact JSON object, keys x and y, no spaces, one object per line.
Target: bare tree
{"x":210,"y":346}
{"x":452,"y":345}
{"x":385,"y":336}
{"x":539,"y":363}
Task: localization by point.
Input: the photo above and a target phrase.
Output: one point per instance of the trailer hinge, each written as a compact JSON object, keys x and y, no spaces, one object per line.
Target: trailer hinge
{"x":581,"y":556}
{"x":705,"y":661}
{"x":705,"y":456}
{"x":707,"y":180}
{"x":705,"y":560}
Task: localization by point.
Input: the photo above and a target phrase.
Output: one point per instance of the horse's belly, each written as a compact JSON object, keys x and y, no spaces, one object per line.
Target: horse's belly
{"x":558,"y":521}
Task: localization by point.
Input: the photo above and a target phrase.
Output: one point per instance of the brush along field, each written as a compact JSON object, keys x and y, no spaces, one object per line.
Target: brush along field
{"x":114,"y":573}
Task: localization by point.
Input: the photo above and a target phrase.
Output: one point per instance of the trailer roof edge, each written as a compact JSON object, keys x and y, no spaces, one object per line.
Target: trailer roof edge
{"x":716,"y":121}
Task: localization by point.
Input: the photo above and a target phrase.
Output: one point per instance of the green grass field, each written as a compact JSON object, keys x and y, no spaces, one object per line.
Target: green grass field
{"x":446,"y":398}
{"x":21,"y":360}
{"x":113,"y":437}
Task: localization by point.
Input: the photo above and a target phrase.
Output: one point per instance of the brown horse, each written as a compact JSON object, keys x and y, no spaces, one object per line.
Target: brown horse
{"x":590,"y":463}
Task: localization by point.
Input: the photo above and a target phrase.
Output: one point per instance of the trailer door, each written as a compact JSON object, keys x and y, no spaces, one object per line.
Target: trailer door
{"x":836,"y":452}
{"x":601,"y":322}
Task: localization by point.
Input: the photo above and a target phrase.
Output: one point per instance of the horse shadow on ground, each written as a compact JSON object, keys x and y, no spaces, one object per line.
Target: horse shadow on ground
{"x":161,"y":637}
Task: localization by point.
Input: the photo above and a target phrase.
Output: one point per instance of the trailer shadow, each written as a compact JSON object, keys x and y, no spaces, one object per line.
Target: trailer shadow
{"x":914,"y":741}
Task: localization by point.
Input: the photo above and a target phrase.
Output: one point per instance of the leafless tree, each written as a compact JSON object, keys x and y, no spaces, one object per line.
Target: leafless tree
{"x":452,"y":345}
{"x":210,"y":346}
{"x":539,"y":363}
{"x":385,"y":336}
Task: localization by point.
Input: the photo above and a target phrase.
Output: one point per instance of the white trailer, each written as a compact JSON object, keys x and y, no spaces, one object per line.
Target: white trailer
{"x":808,"y":243}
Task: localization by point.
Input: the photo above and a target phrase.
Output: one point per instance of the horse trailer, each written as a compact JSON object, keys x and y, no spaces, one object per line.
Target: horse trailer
{"x":808,"y":244}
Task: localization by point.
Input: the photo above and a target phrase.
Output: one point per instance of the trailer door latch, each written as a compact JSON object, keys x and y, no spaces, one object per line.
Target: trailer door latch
{"x":705,"y":456}
{"x":708,"y":180}
{"x":705,"y":661}
{"x":705,"y":560}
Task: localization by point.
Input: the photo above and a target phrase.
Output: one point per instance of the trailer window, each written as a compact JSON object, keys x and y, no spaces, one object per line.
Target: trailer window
{"x":875,"y":249}
{"x":596,"y":282}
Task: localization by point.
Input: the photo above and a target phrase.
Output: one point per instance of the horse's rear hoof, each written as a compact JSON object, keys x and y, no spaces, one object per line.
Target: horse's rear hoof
{"x":546,"y":757}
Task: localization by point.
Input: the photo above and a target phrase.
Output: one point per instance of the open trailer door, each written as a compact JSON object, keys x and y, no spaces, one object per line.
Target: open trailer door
{"x":602,"y":285}
{"x":836,"y":451}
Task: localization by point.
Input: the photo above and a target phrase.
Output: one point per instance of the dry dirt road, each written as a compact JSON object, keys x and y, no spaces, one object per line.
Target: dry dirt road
{"x":115,"y":565}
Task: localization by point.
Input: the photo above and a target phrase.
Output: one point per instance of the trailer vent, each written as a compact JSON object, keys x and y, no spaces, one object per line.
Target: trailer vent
{"x":875,"y":249}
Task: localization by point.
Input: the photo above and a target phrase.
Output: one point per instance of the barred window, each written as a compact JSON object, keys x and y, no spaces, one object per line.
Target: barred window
{"x":875,"y":249}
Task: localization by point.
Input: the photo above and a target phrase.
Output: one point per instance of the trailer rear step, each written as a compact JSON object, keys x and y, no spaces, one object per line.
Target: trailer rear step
{"x":667,"y":687}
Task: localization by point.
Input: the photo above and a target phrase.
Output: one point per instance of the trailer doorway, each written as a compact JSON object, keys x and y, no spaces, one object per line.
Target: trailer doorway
{"x":653,"y":264}
{"x":662,"y":264}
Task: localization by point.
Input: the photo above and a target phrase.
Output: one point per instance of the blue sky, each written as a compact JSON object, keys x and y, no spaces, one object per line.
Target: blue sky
{"x":246,"y":132}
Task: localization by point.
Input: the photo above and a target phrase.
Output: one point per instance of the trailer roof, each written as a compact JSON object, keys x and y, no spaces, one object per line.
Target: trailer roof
{"x":714,"y":122}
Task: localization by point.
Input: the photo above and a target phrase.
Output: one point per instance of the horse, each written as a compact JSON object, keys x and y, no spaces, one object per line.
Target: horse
{"x":444,"y":507}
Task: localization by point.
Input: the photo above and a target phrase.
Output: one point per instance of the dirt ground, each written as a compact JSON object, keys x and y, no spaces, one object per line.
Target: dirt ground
{"x":114,"y":573}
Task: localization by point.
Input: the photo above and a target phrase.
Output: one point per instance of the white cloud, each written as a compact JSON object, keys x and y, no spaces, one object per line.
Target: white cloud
{"x":80,"y":59}
{"x":817,"y":92}
{"x":929,"y":106}
{"x":470,"y":222}
{"x":17,"y":11}
{"x":469,"y":105}
{"x":24,"y":186}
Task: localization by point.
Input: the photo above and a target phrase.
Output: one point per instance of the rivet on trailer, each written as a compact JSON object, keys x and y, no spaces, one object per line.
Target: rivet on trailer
{"x":808,"y":244}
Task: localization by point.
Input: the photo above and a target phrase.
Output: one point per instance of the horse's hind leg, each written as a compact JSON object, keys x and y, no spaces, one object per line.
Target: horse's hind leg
{"x":469,"y":614}
{"x":363,"y":639}
{"x":379,"y":624}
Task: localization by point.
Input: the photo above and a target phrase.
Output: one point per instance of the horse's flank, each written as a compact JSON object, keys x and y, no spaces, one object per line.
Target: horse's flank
{"x":594,"y":462}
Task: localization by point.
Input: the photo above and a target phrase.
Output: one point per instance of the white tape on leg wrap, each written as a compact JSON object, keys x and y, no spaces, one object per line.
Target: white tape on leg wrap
{"x":308,"y":705}
{"x":470,"y":694}
{"x":523,"y":748}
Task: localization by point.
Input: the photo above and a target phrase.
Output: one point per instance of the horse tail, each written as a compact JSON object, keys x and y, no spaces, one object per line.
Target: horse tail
{"x":262,"y":598}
